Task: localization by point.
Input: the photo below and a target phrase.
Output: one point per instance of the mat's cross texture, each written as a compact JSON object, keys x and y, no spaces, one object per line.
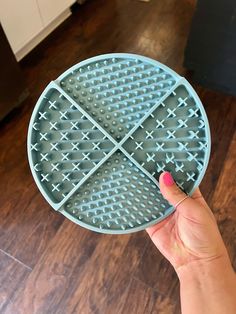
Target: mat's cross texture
{"x":102,"y":133}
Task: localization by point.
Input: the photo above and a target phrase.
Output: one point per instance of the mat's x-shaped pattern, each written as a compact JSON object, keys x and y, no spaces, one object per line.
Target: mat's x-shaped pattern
{"x":102,"y":133}
{"x":98,"y":136}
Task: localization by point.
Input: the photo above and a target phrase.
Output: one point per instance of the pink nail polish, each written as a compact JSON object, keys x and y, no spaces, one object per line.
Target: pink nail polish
{"x":168,"y":179}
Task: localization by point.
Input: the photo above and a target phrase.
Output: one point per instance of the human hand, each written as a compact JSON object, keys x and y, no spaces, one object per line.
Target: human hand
{"x":190,"y":234}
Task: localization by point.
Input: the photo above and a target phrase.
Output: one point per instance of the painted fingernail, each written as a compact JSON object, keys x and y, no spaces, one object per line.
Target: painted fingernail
{"x":168,"y":179}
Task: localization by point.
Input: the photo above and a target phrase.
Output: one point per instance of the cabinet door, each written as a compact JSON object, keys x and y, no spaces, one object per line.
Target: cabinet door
{"x":20,"y":20}
{"x":12,"y":84}
{"x":51,"y":9}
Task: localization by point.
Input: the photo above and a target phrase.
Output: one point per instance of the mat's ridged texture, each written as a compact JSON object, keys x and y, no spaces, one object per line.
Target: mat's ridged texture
{"x":102,"y":133}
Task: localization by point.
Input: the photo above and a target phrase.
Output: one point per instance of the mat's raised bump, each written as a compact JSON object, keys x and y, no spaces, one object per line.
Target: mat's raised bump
{"x":101,"y":134}
{"x":122,"y":203}
{"x":173,"y":145}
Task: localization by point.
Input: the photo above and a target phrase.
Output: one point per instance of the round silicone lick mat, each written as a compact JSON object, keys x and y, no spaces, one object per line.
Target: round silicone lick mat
{"x":101,"y":134}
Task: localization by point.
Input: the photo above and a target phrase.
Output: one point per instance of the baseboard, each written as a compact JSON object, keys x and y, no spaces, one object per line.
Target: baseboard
{"x":44,"y":33}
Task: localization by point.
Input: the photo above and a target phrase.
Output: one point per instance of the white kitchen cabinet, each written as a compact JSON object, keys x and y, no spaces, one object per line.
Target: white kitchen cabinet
{"x":20,"y":20}
{"x":50,"y":9}
{"x":27,"y":22}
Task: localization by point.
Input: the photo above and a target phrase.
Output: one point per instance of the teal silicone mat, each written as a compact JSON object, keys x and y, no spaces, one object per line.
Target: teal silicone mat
{"x":101,"y":134}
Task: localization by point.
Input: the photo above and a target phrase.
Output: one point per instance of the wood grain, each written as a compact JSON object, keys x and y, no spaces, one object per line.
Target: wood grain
{"x":221,"y":112}
{"x":155,"y":271}
{"x":57,"y":266}
{"x":110,"y":275}
{"x":224,"y":201}
{"x":81,"y":272}
{"x":12,"y":275}
{"x":26,"y":221}
{"x":57,"y":272}
{"x":149,"y":301}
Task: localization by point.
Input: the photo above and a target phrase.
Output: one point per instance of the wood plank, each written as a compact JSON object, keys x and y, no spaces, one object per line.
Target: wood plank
{"x":143,"y":299}
{"x":224,"y":201}
{"x":221,"y":112}
{"x":75,"y":270}
{"x":12,"y":275}
{"x":27,"y":223}
{"x":57,"y":272}
{"x":99,"y":283}
{"x":81,"y":272}
{"x":156,"y":272}
{"x":112,"y":294}
{"x":104,"y":284}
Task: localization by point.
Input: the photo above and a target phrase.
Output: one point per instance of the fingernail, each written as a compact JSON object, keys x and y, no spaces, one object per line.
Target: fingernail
{"x":168,"y":179}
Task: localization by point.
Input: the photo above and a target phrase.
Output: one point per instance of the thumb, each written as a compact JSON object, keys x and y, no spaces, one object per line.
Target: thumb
{"x":171,"y":192}
{"x":187,"y":206}
{"x":191,"y":207}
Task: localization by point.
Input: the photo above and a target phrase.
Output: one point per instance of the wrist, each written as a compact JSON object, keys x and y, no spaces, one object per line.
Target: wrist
{"x":208,"y":286}
{"x":218,"y":269}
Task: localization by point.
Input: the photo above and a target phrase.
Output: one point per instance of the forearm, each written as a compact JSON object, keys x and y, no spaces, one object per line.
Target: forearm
{"x":208,"y":287}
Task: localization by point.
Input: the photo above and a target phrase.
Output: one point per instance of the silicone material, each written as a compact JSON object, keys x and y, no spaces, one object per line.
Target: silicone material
{"x":101,"y":134}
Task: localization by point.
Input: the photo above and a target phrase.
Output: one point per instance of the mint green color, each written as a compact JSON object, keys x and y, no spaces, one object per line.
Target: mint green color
{"x":101,"y":134}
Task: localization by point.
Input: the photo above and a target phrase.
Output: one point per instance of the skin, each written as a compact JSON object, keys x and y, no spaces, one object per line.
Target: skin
{"x":191,"y":241}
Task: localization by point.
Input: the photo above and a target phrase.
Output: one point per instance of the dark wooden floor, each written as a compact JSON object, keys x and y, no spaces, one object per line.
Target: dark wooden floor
{"x":47,"y":263}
